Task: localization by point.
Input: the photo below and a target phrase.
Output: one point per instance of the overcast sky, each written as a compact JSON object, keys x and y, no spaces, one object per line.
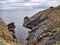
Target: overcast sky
{"x":23,"y":7}
{"x":27,"y":4}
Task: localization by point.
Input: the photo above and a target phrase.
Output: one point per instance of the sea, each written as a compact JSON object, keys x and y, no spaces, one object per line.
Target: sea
{"x":17,"y":16}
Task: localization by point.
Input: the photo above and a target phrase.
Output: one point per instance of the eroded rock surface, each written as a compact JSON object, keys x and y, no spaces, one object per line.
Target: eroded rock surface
{"x":11,"y":28}
{"x":45,"y":27}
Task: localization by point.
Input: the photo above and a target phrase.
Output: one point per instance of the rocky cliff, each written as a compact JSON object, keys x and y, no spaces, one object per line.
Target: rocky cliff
{"x":45,"y":27}
{"x":6,"y":37}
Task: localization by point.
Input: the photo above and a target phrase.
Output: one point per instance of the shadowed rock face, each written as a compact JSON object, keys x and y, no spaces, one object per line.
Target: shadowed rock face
{"x":5,"y":36}
{"x":11,"y":28}
{"x":45,"y":27}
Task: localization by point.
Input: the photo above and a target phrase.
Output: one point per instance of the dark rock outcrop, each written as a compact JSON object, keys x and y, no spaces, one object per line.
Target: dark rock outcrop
{"x":11,"y":28}
{"x":45,"y":27}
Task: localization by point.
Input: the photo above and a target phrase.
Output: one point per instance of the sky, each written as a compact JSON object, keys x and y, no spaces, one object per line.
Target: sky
{"x":27,"y":4}
{"x":16,"y":10}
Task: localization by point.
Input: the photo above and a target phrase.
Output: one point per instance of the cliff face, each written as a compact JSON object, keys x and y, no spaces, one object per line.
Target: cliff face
{"x":11,"y":28}
{"x":45,"y":27}
{"x":5,"y":36}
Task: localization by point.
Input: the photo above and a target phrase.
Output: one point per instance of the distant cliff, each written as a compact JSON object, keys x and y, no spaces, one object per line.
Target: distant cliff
{"x":7,"y":37}
{"x":45,"y":27}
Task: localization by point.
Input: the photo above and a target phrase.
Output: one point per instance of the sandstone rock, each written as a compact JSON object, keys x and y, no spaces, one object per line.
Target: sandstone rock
{"x":45,"y":27}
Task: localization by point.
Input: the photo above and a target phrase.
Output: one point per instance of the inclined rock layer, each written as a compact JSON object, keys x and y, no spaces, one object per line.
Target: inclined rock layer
{"x":45,"y":27}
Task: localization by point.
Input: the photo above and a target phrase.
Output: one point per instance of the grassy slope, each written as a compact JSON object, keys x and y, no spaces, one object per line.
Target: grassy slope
{"x":5,"y":37}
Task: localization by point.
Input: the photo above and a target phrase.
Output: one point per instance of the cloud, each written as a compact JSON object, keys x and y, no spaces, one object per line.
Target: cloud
{"x":37,"y":1}
{"x":24,"y":6}
{"x":10,"y":1}
{"x":27,"y":4}
{"x":52,"y":2}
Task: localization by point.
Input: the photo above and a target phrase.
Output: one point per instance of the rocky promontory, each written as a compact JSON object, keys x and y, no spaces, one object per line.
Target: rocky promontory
{"x":44,"y":26}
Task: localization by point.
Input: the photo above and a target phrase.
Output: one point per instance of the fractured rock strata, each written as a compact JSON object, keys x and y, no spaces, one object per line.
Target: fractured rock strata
{"x":45,"y":27}
{"x":11,"y":28}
